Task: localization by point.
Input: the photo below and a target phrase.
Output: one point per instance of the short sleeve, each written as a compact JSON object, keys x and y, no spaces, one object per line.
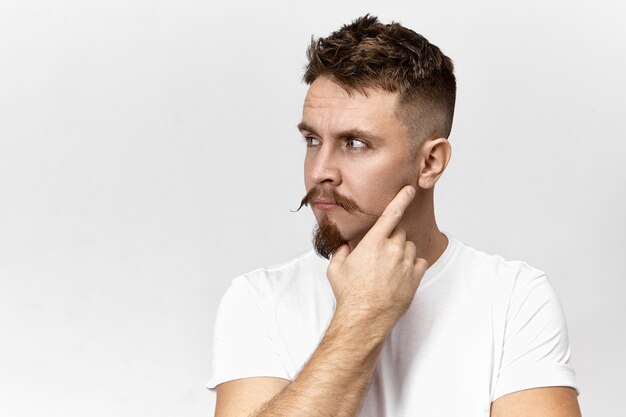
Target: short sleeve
{"x":536,"y":351}
{"x":242,"y":345}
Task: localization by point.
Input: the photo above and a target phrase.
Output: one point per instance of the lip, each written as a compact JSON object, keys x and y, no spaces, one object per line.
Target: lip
{"x":322,"y":204}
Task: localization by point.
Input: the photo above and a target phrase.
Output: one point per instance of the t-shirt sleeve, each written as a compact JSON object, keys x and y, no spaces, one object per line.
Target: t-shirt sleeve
{"x":242,"y":345}
{"x":536,"y":351}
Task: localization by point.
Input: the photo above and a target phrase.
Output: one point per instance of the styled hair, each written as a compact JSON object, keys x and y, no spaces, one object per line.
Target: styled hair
{"x":367,"y":54}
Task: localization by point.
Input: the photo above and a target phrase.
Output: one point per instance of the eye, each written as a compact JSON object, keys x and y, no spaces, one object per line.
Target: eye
{"x":356,"y":143}
{"x":311,"y":141}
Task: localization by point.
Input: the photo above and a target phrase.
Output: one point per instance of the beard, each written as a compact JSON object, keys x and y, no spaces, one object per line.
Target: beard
{"x":327,"y":237}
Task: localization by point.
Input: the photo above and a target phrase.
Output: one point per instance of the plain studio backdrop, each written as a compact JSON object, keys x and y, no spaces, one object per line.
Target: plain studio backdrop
{"x":149,"y":154}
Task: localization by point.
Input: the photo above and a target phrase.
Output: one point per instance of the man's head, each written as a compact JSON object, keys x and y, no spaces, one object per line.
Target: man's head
{"x":369,"y":54}
{"x":375,"y":118}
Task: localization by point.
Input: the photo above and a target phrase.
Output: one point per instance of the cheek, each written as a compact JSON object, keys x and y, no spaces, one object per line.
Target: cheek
{"x":306,"y":173}
{"x":379,"y":187}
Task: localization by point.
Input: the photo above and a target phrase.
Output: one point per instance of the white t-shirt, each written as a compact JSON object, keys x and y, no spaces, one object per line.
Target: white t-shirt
{"x":478,"y":328}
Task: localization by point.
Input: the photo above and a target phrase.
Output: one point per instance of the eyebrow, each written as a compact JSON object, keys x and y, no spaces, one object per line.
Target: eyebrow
{"x":346,"y":134}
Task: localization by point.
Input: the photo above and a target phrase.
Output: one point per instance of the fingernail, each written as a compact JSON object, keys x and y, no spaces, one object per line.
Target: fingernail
{"x":411,"y":191}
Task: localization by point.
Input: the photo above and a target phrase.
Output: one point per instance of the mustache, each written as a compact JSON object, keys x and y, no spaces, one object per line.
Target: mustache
{"x":342,"y":201}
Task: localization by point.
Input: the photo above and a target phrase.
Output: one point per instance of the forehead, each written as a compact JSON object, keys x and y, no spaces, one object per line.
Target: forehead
{"x":329,"y":106}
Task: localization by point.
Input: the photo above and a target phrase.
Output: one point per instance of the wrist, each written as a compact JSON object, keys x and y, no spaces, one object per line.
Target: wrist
{"x":366,"y":326}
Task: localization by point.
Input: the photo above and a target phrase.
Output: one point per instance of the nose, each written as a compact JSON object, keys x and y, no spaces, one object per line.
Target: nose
{"x":322,"y":166}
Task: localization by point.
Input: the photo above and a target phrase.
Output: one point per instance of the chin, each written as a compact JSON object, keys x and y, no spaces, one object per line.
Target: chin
{"x":352,"y":231}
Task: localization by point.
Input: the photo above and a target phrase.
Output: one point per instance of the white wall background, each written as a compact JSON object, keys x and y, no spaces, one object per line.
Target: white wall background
{"x":148,"y":154}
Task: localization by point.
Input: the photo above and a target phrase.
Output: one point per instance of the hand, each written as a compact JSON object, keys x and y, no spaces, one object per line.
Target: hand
{"x":376,"y":282}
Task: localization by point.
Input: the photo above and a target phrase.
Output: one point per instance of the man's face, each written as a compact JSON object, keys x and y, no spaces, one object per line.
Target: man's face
{"x":358,"y":148}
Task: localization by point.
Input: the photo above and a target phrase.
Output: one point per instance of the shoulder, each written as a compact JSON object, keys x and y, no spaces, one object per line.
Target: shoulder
{"x":303,"y":273}
{"x":489,"y":268}
{"x":530,"y":342}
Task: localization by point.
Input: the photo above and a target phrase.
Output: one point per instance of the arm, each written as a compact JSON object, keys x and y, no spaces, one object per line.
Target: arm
{"x":241,"y":397}
{"x":332,"y":383}
{"x":339,"y":369}
{"x":538,"y":402}
{"x":535,"y":377}
{"x":335,"y":379}
{"x":373,"y":285}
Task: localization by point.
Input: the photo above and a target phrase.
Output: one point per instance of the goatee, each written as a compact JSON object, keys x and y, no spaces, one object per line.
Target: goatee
{"x":327,"y":237}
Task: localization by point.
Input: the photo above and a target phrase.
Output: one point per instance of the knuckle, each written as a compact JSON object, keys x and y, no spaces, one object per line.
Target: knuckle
{"x":395,"y":252}
{"x":421,"y":264}
{"x":398,"y":244}
{"x":399,"y":252}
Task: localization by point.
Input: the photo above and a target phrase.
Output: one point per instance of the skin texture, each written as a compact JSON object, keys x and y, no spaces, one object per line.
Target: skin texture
{"x":539,"y":402}
{"x":372,"y":167}
{"x":358,"y":147}
{"x":242,"y":397}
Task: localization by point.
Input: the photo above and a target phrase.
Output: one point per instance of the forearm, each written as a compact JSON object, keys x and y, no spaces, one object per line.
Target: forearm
{"x":334,"y":380}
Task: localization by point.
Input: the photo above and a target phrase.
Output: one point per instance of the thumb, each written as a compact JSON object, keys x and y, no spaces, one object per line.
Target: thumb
{"x":340,"y":254}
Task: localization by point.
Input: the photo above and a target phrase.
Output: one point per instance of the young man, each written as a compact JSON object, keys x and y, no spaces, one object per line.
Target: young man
{"x":403,"y":320}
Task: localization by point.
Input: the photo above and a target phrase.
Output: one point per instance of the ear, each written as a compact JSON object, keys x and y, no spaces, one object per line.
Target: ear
{"x":434,"y":156}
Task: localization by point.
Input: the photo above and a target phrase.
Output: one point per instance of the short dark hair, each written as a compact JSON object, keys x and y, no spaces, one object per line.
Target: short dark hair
{"x":391,"y":57}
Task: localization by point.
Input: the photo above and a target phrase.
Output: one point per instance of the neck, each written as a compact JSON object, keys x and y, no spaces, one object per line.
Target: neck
{"x":421,"y":227}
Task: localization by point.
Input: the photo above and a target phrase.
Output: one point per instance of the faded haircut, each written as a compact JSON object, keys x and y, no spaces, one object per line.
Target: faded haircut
{"x":367,"y":54}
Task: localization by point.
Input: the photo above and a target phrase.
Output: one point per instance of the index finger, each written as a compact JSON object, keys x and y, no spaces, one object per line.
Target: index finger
{"x":393,"y":212}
